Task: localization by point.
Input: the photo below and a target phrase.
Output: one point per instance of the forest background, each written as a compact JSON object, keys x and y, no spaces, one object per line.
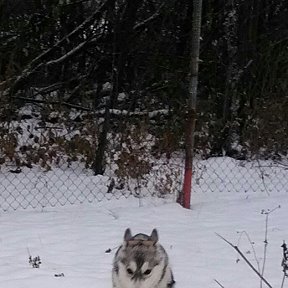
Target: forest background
{"x":120,"y":69}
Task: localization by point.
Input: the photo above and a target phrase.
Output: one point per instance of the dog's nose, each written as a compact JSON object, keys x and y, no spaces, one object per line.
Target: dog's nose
{"x":137,"y":276}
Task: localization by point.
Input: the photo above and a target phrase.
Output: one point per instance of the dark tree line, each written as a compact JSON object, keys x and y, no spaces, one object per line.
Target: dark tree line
{"x":247,"y":92}
{"x":84,"y":54}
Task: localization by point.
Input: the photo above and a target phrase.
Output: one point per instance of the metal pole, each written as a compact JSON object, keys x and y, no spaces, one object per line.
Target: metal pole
{"x":191,"y":107}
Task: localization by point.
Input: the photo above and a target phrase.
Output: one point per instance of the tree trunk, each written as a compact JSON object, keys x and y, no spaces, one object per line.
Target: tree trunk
{"x":98,"y":165}
{"x":122,"y":45}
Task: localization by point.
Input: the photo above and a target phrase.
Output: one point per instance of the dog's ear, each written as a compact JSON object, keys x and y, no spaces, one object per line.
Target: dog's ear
{"x":154,"y":236}
{"x":127,"y":235}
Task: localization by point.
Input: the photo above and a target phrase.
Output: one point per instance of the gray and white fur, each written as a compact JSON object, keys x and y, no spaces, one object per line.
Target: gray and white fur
{"x":141,"y":262}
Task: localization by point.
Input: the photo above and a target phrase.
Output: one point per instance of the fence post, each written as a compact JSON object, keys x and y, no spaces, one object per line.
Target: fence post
{"x":189,"y":144}
{"x":191,"y":107}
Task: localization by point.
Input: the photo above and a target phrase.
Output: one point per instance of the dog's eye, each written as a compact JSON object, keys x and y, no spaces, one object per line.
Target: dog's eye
{"x":147,"y":272}
{"x":129,"y":271}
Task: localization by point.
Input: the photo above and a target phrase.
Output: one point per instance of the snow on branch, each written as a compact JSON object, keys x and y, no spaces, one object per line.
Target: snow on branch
{"x":101,"y":112}
{"x":68,"y":54}
{"x":77,"y":30}
{"x":151,"y":114}
{"x":37,"y":63}
{"x":149,"y":19}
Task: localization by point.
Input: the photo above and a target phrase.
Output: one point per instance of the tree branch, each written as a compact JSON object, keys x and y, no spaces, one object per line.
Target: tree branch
{"x":148,"y":20}
{"x":30,"y":100}
{"x":76,"y":31}
{"x":114,"y":112}
{"x":34,"y":65}
{"x":245,"y":259}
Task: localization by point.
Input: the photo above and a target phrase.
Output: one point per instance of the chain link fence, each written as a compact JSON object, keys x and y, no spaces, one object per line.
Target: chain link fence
{"x":225,"y":174}
{"x":60,"y":161}
{"x":34,"y":188}
{"x":23,"y":188}
{"x":54,"y":163}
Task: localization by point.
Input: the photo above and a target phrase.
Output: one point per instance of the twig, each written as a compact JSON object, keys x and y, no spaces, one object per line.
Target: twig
{"x":262,"y":177}
{"x":30,"y":100}
{"x":149,"y":19}
{"x":68,"y":54}
{"x":76,"y":31}
{"x":283,"y":280}
{"x":219,"y":283}
{"x":281,"y":164}
{"x":28,"y":251}
{"x":245,"y":259}
{"x":251,"y":243}
{"x":284,"y":263}
{"x":267,"y":213}
{"x":265,"y":247}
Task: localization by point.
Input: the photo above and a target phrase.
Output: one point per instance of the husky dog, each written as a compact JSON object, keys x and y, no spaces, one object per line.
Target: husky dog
{"x":141,"y":262}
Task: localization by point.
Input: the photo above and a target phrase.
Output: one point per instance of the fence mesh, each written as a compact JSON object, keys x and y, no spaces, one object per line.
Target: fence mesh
{"x":61,"y":162}
{"x":225,"y":174}
{"x":34,"y":188}
{"x":55,"y":163}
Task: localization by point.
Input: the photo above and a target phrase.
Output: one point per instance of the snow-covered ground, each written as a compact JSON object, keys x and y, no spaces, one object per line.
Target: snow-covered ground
{"x":71,"y":241}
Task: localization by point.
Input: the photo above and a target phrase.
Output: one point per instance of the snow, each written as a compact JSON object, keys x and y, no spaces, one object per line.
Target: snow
{"x":71,"y":241}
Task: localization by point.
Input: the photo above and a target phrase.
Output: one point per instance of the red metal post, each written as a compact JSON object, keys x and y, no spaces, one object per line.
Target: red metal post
{"x":185,"y":198}
{"x":189,"y":145}
{"x":187,"y":187}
